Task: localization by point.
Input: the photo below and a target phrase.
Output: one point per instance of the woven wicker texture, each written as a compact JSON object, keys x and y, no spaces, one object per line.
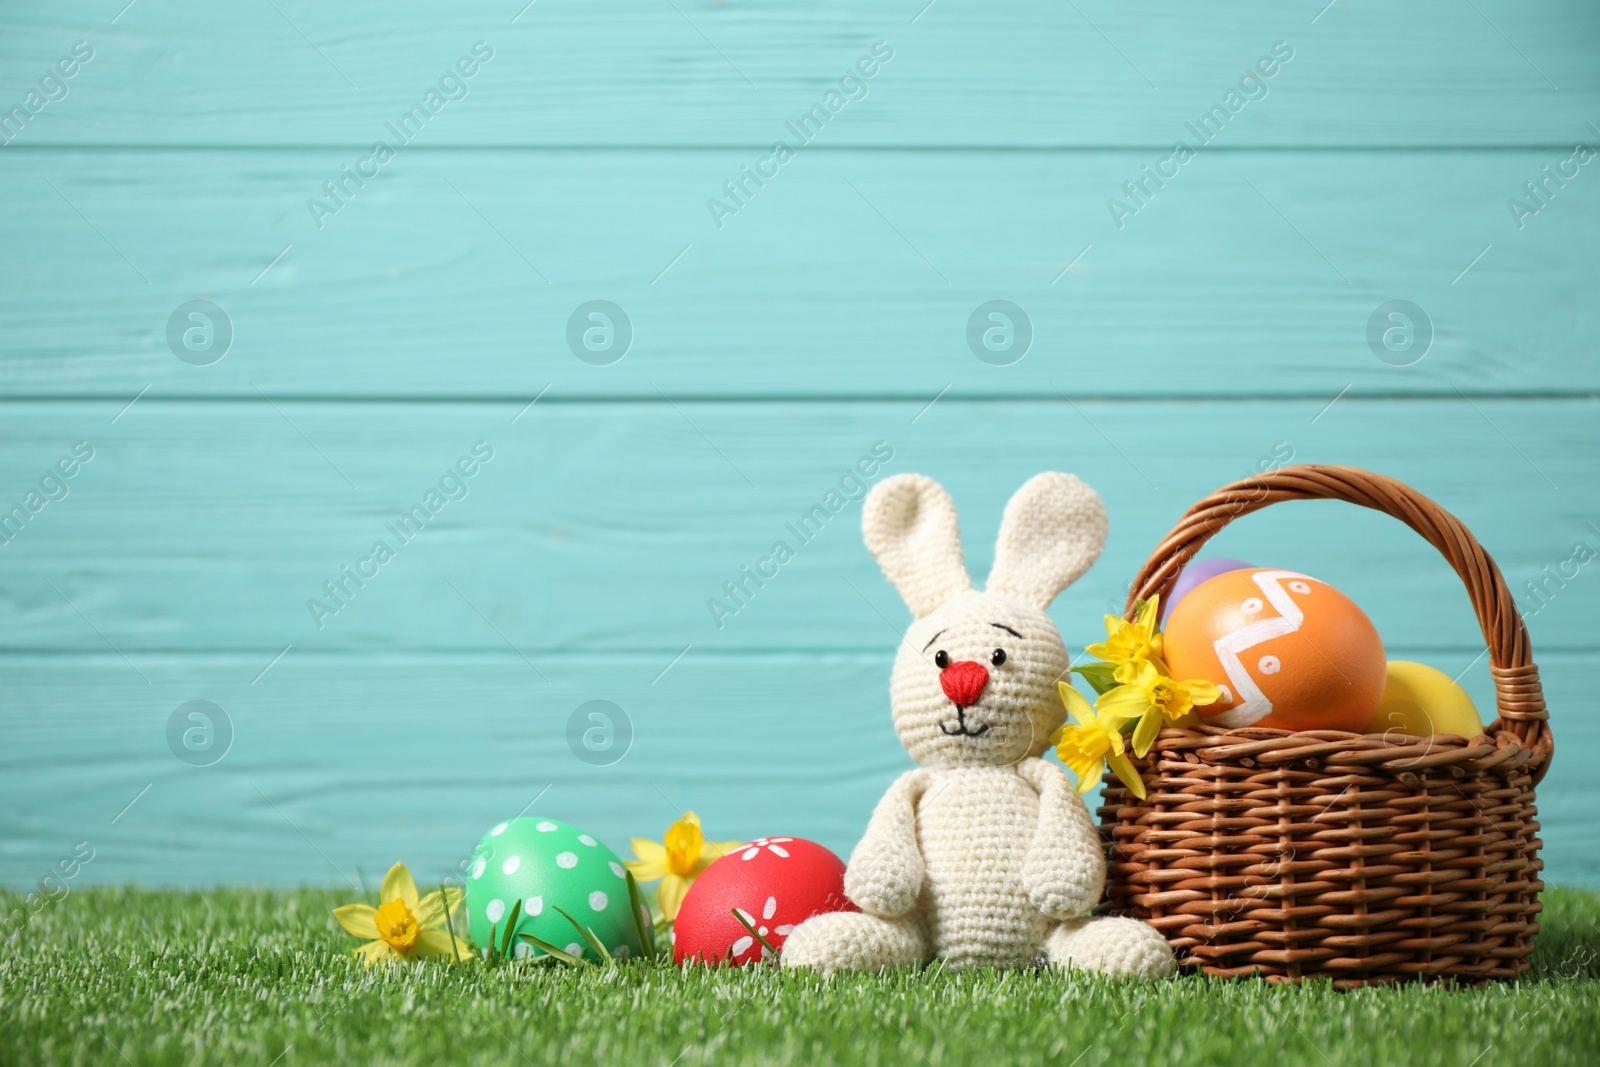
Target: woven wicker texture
{"x":1360,"y":858}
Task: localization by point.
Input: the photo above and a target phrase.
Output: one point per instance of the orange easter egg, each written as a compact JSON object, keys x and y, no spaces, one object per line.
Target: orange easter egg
{"x":1286,"y":650}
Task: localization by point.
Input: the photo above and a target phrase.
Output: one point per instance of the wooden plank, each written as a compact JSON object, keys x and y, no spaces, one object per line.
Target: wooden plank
{"x":854,"y":274}
{"x":595,"y":527}
{"x":634,"y":72}
{"x":1221,"y":326}
{"x":347,"y":763}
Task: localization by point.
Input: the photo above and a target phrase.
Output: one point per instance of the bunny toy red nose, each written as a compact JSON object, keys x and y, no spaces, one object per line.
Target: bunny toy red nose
{"x":963,"y":682}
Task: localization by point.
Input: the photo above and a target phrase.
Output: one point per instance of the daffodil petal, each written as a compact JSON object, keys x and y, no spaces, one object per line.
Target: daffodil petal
{"x":373,"y":952}
{"x":691,"y":818}
{"x":1144,"y":735}
{"x":712,"y":851}
{"x":1152,"y":673}
{"x":1125,"y":772}
{"x":1124,"y":702}
{"x":358,"y":920}
{"x":430,"y":913}
{"x":435,"y":943}
{"x":649,"y":851}
{"x":1149,"y":612}
{"x":674,"y":887}
{"x":1074,"y":702}
{"x":647,"y":870}
{"x":1091,"y":778}
{"x":1198,"y":691}
{"x":397,"y":884}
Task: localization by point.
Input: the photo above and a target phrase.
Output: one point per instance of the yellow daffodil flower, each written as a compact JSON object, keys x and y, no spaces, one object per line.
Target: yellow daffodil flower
{"x":1128,"y":644}
{"x":1093,"y":742}
{"x":1154,"y":699}
{"x":677,"y":860}
{"x":402,"y":926}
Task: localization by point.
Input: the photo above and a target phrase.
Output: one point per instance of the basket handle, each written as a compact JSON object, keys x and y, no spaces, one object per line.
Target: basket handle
{"x":1518,"y":694}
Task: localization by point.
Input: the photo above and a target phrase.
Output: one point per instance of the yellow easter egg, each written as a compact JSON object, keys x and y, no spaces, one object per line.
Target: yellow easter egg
{"x":1419,"y":700}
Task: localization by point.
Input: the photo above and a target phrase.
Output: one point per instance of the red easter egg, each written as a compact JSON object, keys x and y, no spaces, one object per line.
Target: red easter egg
{"x":776,"y":883}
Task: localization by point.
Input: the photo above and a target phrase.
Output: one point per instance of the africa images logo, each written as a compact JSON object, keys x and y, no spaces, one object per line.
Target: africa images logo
{"x":851,"y":86}
{"x":452,"y":486}
{"x":451,"y":86}
{"x":51,"y":488}
{"x":1252,"y":86}
{"x":52,"y":88}
{"x":852,"y":486}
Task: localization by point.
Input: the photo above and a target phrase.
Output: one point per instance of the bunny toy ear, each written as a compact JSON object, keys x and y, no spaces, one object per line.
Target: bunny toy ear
{"x":1052,"y":531}
{"x":909,"y":524}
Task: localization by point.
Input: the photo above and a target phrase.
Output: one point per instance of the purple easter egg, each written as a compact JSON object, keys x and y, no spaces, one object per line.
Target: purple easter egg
{"x":1196,"y":572}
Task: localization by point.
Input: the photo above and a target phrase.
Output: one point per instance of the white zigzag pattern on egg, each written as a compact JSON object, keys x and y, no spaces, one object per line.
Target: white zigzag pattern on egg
{"x":1254,"y":705}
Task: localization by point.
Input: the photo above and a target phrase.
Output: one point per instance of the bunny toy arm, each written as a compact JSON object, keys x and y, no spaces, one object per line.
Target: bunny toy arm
{"x":885,"y":871}
{"x":1064,"y":870}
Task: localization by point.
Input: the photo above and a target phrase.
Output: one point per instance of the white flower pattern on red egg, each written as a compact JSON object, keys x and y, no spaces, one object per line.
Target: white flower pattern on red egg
{"x":741,"y":946}
{"x":773,"y":845}
{"x":746,"y":943}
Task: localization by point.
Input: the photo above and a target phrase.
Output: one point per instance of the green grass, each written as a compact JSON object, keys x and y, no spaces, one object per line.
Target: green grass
{"x":244,"y":976}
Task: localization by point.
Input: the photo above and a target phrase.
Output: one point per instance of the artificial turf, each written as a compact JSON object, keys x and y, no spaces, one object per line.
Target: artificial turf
{"x":254,"y":976}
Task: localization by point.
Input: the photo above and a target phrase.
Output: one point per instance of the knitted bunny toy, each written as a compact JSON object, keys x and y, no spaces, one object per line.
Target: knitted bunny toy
{"x":984,"y":855}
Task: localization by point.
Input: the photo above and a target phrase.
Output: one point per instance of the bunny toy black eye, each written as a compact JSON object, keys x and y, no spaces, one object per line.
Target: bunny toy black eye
{"x":941,"y":659}
{"x":999,"y":657}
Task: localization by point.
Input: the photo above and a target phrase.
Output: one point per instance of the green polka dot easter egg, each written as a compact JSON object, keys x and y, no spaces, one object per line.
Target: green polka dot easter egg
{"x":549,"y":865}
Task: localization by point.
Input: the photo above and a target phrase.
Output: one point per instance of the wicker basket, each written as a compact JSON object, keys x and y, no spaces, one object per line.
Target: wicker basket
{"x":1319,"y":853}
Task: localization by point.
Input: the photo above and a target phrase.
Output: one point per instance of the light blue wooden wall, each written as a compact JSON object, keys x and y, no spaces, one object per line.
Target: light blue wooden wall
{"x":1219,"y":326}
